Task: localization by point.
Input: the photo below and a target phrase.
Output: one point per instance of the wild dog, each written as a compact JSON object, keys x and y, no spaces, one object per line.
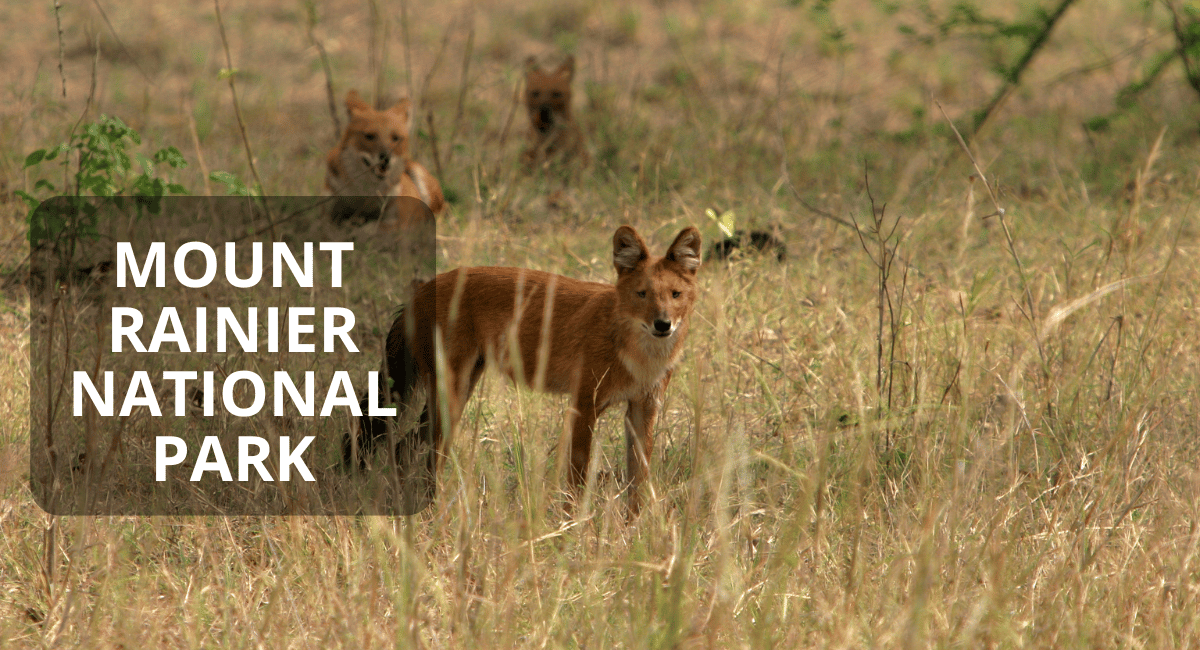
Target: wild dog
{"x":603,"y":344}
{"x":553,"y":134}
{"x":371,"y":163}
{"x":755,"y":241}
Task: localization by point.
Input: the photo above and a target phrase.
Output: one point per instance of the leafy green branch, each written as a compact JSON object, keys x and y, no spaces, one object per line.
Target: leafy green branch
{"x":97,"y":161}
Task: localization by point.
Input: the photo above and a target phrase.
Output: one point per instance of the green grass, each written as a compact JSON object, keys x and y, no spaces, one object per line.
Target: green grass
{"x":1030,"y":481}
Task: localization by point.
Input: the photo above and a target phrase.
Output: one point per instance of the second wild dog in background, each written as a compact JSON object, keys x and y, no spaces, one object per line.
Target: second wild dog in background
{"x":372,"y":163}
{"x":554,"y":135}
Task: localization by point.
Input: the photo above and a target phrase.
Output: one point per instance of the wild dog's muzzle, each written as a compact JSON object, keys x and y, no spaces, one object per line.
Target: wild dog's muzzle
{"x":545,"y":118}
{"x":378,"y":164}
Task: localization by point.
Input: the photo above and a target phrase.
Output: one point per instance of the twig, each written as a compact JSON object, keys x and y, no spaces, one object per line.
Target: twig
{"x":120,"y":43}
{"x":237,"y":111}
{"x":998,"y":213}
{"x":311,"y":7}
{"x":408,"y":75}
{"x":433,"y":143}
{"x":462,"y":90}
{"x":1013,"y":76}
{"x":1184,"y":43}
{"x":437,"y":62}
{"x":91,"y":97}
{"x":1141,"y":178}
{"x":374,"y":55}
{"x":381,"y":71}
{"x":423,"y":103}
{"x":786,"y":179}
{"x":883,"y":261}
{"x":188,"y":108}
{"x":512,"y":111}
{"x":61,"y":52}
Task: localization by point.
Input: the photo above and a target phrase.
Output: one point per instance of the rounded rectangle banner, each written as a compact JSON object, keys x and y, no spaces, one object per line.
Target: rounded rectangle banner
{"x":199,"y":355}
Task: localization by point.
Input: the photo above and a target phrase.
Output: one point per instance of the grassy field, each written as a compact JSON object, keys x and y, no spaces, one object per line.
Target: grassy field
{"x":983,"y":433}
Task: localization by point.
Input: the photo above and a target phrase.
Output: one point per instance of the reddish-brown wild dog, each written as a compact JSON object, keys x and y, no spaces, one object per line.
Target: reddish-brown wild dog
{"x":372,"y":161}
{"x":554,"y":135}
{"x":604,"y":344}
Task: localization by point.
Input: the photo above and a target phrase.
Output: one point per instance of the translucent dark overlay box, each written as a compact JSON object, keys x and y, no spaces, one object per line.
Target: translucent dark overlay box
{"x":199,"y":355}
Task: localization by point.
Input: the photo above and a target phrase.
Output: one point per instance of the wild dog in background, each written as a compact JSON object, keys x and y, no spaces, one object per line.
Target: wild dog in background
{"x":755,"y":241}
{"x":372,"y":161}
{"x":554,"y":136}
{"x":604,"y":344}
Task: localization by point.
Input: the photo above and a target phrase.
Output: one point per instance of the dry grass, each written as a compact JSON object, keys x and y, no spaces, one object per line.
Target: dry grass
{"x":1033,"y":482}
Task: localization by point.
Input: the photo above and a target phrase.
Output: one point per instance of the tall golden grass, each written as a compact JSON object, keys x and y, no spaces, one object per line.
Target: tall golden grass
{"x":993,"y":444}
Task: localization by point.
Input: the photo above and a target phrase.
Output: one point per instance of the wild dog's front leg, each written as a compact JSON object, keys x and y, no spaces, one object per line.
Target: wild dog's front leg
{"x":639,"y":441}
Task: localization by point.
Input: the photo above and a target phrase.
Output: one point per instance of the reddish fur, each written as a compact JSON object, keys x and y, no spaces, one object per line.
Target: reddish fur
{"x":372,"y":159}
{"x":552,"y":131}
{"x":601,"y":349}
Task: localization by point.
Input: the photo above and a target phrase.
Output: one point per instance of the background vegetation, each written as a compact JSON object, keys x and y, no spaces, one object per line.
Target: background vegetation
{"x":981,"y":432}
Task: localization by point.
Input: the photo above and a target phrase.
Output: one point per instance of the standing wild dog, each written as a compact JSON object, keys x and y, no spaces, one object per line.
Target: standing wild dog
{"x":371,"y":163}
{"x":603,"y":344}
{"x":553,"y":133}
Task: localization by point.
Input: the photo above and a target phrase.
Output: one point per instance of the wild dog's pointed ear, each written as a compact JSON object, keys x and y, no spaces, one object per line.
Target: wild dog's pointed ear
{"x":531,"y":66}
{"x":403,"y":109}
{"x":355,"y":103}
{"x":567,"y":67}
{"x":628,"y":250}
{"x":686,"y":249}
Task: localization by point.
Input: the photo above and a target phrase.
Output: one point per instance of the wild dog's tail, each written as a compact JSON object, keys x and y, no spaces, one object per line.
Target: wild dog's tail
{"x":397,"y":380}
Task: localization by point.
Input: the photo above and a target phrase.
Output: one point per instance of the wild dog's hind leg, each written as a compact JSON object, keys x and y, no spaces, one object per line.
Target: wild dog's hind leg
{"x":459,"y":384}
{"x":584,"y":414}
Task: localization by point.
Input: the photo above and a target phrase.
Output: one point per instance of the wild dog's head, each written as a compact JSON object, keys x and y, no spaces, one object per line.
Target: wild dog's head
{"x":378,"y":138}
{"x":548,"y":94}
{"x":656,"y":294}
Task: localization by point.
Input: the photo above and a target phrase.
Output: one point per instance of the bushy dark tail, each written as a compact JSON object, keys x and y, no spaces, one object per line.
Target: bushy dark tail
{"x":398,"y":379}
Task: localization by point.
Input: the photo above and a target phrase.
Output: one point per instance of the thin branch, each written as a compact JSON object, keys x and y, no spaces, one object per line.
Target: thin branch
{"x":61,"y":53}
{"x":464,"y":81}
{"x":121,"y":43}
{"x":311,"y":25}
{"x":237,"y":111}
{"x":1013,"y":78}
{"x":786,"y":179}
{"x":998,"y":213}
{"x":189,"y":109}
{"x":408,"y":75}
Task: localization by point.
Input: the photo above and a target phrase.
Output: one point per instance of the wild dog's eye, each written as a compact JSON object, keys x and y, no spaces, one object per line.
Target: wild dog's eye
{"x":676,"y":294}
{"x":395,"y":137}
{"x":369,"y":136}
{"x":535,"y":93}
{"x":641,"y":294}
{"x":556,"y":94}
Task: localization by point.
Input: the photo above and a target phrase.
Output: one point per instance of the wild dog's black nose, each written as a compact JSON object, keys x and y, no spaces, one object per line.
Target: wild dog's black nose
{"x":545,"y":116}
{"x":662,"y":327}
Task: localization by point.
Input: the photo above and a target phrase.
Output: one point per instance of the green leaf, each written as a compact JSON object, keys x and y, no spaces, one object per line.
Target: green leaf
{"x":233,"y":185}
{"x":725,"y":221}
{"x":147,"y":164}
{"x":171,"y":156}
{"x":35,"y":158}
{"x":29,"y":200}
